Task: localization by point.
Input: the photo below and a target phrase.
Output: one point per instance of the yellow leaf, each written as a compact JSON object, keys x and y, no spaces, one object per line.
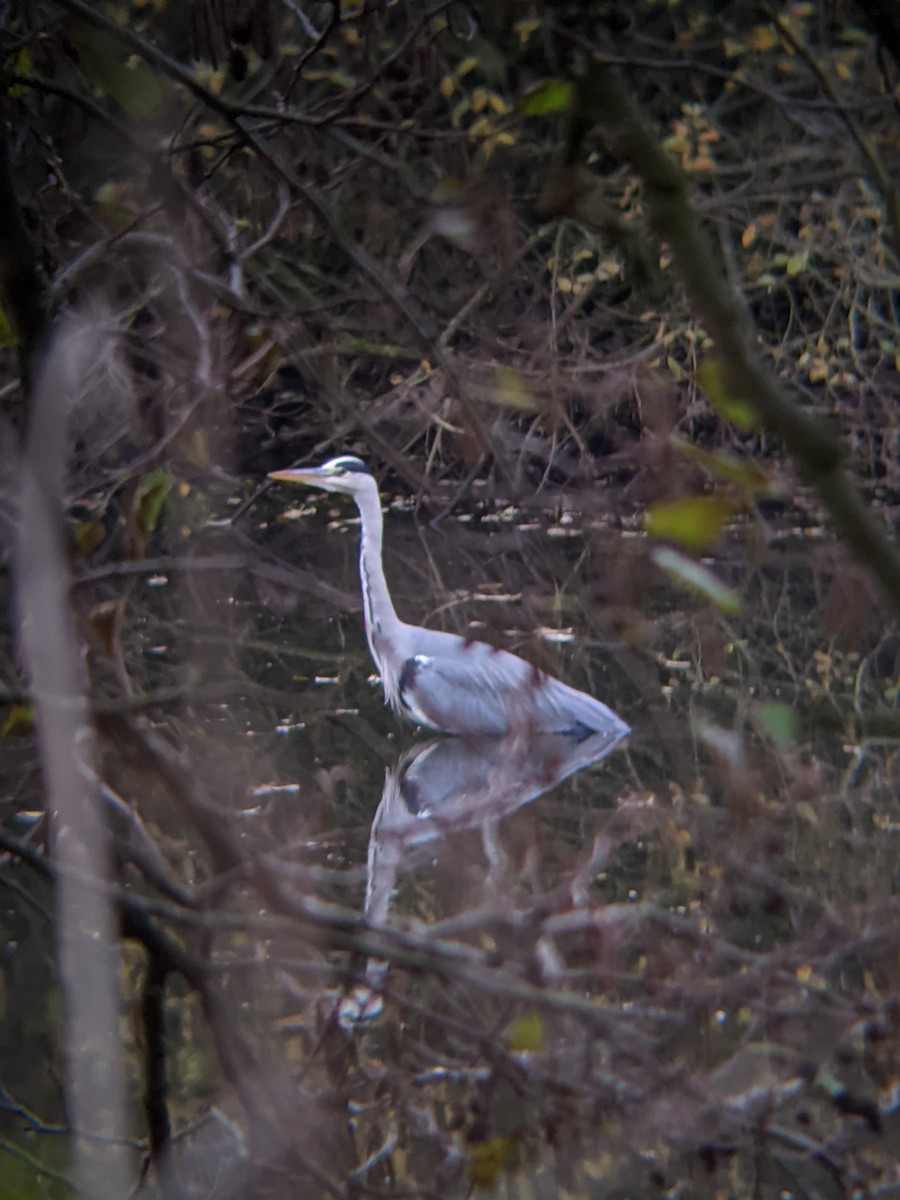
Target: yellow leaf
{"x":89,"y":535}
{"x":679,"y":143}
{"x":459,"y":112}
{"x":526,"y":1033}
{"x":525,"y":28}
{"x":19,"y":719}
{"x":196,"y":449}
{"x":487,"y":1160}
{"x":446,"y":86}
{"x":512,"y":391}
{"x":842,"y":71}
{"x":797,"y":263}
{"x":748,"y":237}
{"x":763,"y":37}
{"x":693,"y":521}
{"x":466,"y":66}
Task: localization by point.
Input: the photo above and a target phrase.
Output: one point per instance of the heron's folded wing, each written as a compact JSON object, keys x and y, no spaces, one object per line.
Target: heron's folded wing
{"x":478,"y":690}
{"x":470,"y":692}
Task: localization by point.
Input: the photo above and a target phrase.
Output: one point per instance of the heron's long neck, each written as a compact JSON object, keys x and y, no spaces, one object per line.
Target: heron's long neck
{"x":382,"y":623}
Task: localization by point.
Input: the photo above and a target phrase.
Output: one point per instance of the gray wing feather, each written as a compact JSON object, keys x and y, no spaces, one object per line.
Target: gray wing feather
{"x":470,"y":688}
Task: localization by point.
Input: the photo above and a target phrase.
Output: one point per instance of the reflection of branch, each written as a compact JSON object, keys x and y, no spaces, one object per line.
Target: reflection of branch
{"x":156,"y":1088}
{"x":603,"y":100}
{"x":252,"y":562}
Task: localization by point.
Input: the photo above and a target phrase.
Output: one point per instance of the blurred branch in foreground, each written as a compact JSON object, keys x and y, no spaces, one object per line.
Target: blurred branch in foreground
{"x":87,"y":937}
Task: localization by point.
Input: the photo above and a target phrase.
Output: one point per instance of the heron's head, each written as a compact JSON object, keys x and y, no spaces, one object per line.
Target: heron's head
{"x":343,"y":474}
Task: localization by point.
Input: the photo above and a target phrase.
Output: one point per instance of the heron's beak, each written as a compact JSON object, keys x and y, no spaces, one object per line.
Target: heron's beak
{"x":312,"y":475}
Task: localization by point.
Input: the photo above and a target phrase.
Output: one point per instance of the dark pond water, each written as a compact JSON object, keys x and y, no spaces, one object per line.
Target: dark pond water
{"x":749,"y":780}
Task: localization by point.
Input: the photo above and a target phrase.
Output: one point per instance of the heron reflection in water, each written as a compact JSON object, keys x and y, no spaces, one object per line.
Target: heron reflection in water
{"x":440,"y":680}
{"x":442,"y":788}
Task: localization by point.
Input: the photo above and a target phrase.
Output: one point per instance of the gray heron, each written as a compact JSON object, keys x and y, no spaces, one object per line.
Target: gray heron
{"x":440,"y":680}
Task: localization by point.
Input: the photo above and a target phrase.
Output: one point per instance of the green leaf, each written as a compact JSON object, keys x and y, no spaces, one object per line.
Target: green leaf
{"x":149,"y":498}
{"x":697,"y":578}
{"x":526,"y":1033}
{"x":549,"y":96}
{"x":133,"y":86}
{"x":694,"y":521}
{"x":711,"y":378}
{"x":777,"y":722}
{"x":721,"y":465}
